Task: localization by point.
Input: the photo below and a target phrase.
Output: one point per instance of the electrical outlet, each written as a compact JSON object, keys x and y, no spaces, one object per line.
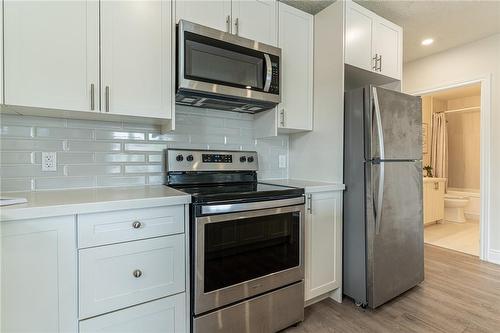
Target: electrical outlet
{"x":49,"y":161}
{"x":282,"y":161}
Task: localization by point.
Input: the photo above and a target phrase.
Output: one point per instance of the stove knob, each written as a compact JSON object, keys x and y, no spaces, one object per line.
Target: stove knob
{"x":179,"y":158}
{"x":243,"y":159}
{"x":189,"y":158}
{"x":250,"y":159}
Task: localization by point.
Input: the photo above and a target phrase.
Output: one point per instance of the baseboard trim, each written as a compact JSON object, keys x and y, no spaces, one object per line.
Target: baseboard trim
{"x":494,"y":256}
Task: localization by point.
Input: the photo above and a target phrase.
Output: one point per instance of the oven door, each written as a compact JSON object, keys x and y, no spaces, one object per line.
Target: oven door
{"x":243,"y":254}
{"x":215,"y":62}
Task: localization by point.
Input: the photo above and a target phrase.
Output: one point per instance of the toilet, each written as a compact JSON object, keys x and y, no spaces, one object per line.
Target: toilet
{"x":454,"y":208}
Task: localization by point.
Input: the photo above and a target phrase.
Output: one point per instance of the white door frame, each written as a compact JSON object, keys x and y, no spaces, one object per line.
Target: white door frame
{"x":484,"y":222}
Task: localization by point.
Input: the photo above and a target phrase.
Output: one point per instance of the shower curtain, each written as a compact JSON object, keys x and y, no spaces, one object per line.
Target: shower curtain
{"x":439,"y":146}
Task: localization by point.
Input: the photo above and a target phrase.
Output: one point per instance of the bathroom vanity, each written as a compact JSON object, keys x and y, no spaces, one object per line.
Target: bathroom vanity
{"x":434,"y":189}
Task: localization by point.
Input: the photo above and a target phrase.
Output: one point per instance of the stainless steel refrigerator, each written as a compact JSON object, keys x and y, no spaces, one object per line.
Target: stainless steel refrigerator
{"x":383,"y":211}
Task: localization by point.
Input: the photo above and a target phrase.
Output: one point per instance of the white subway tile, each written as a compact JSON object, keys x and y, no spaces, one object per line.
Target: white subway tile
{"x":151,"y":168}
{"x":156,"y":180}
{"x":63,"y":182}
{"x":10,"y":119}
{"x":63,"y":133}
{"x":155,"y":158}
{"x":93,"y":146}
{"x":77,"y":123}
{"x":118,"y":135}
{"x":145,"y":146}
{"x":16,"y":131}
{"x":70,"y":158}
{"x":168,"y":137}
{"x":30,"y":145}
{"x":27,"y":170}
{"x":89,"y":170}
{"x":118,"y":158}
{"x":207,"y":139}
{"x":15,"y":184}
{"x":16,"y":158}
{"x":121,"y":181}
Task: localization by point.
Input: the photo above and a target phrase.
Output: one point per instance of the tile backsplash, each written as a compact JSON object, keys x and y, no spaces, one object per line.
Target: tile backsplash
{"x":98,"y":153}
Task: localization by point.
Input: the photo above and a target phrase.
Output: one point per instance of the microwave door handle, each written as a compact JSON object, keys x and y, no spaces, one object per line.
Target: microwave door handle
{"x":269,"y":72}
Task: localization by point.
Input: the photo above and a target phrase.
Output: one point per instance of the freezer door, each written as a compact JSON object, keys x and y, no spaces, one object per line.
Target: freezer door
{"x":395,"y":248}
{"x":393,"y":125}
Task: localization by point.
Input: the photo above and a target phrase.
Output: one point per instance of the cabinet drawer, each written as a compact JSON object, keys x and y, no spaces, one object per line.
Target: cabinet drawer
{"x":117,"y":276}
{"x":126,"y":225}
{"x":160,"y":316}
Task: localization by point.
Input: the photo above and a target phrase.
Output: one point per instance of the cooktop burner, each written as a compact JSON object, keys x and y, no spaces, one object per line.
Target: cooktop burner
{"x":238,"y":192}
{"x":215,"y":176}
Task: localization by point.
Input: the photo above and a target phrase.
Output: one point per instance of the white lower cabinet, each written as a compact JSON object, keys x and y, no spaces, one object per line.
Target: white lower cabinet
{"x":39,"y":275}
{"x":323,"y":243}
{"x":166,"y":315}
{"x":117,"y":276}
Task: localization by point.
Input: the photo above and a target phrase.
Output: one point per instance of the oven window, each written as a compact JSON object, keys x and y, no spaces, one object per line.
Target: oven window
{"x":241,"y":250}
{"x":219,"y":65}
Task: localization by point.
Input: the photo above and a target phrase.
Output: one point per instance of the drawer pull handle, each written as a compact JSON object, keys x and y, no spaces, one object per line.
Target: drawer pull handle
{"x":136,"y":224}
{"x":137,"y":273}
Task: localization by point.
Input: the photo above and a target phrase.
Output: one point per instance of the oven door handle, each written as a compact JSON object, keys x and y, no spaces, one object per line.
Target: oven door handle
{"x":239,"y":207}
{"x":269,"y":72}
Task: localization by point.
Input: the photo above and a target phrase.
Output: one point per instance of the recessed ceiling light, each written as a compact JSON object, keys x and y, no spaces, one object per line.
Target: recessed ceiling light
{"x":427,"y":41}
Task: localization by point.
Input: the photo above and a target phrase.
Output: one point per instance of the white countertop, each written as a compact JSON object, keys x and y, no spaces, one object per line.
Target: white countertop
{"x":433,"y":180}
{"x":79,"y":201}
{"x":307,"y":185}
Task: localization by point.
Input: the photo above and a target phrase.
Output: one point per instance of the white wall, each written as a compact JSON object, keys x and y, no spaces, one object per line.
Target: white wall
{"x":468,"y":62}
{"x":318,"y":155}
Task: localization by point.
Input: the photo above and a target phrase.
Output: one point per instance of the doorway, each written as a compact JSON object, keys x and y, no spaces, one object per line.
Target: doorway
{"x":484,"y":85}
{"x":451,"y":155}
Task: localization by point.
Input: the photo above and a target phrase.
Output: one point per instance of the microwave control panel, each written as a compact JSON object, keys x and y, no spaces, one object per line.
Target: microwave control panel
{"x":274,"y":88}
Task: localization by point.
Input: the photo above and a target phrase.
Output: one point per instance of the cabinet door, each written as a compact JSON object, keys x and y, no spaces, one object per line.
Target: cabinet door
{"x":428,"y":203}
{"x":51,"y":54}
{"x":439,"y":201}
{"x":255,"y":19}
{"x":358,"y":38}
{"x":161,"y":316}
{"x":136,"y":58}
{"x":38,"y":259}
{"x":296,"y":43}
{"x":388,"y":45}
{"x":323,"y":244}
{"x":213,"y":14}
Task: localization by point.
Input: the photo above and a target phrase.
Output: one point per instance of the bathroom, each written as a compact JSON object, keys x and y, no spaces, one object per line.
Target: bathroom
{"x":451,"y":159}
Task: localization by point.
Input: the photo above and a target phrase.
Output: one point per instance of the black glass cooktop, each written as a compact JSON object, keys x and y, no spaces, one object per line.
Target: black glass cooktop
{"x":238,"y":192}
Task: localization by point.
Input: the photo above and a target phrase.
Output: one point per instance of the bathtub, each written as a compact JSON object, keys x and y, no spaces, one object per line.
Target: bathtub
{"x":473,"y":208}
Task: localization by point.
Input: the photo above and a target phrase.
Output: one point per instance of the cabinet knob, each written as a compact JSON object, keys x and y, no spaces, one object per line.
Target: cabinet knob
{"x":136,"y":224}
{"x":137,"y":273}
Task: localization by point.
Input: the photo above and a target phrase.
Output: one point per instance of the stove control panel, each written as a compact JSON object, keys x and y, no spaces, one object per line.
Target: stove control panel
{"x":208,"y":160}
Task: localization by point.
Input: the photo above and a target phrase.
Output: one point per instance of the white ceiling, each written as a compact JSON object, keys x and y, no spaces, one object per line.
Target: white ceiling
{"x":451,"y":23}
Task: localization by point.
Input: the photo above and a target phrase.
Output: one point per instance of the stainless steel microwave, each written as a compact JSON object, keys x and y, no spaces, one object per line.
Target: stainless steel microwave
{"x":219,"y":70}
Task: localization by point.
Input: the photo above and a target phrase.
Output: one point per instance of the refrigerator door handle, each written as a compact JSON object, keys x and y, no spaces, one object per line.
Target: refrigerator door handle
{"x":380,"y":134}
{"x":380,"y":198}
{"x":378,"y":119}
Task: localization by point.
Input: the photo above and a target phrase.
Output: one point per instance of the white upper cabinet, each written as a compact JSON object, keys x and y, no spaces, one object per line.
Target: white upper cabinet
{"x":136,"y":58}
{"x":213,"y":14}
{"x":296,"y":40}
{"x":255,"y":19}
{"x":388,"y":41}
{"x":373,"y":43}
{"x":358,"y":40}
{"x":51,"y":54}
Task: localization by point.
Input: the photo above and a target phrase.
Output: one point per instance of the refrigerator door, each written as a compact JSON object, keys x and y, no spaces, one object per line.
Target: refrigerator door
{"x":393,"y":125}
{"x":394,"y":229}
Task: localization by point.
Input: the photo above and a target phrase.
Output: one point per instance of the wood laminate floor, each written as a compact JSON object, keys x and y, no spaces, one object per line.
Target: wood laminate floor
{"x":460,"y":294}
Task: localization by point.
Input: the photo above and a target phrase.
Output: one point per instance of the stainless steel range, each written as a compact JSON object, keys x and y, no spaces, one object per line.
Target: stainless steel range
{"x":247,"y":243}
